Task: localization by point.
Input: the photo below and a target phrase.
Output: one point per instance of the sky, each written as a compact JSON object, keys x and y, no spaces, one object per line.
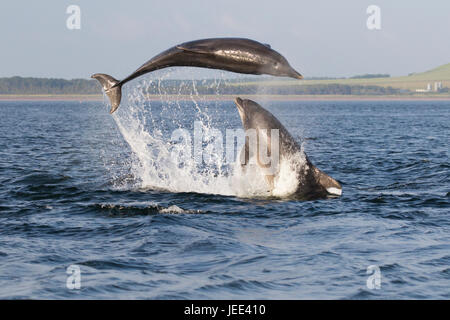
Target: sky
{"x":319,"y":38}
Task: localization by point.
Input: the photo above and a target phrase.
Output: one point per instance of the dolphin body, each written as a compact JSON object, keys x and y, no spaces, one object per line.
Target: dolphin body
{"x":312,"y":183}
{"x":232,"y":54}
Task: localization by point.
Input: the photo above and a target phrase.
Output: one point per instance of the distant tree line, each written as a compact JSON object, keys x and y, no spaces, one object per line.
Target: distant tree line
{"x":321,"y":89}
{"x":19,"y":85}
{"x":371,"y":76}
{"x":187,"y":88}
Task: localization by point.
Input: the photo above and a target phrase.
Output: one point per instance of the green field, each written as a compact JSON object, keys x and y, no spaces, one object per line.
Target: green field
{"x":411,"y":82}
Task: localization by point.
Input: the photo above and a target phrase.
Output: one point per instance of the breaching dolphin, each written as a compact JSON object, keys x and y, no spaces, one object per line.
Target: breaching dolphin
{"x":231,"y":54}
{"x":312,"y":183}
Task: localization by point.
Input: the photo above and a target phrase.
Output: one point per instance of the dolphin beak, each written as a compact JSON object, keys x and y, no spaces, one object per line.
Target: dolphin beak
{"x":240,"y":106}
{"x":296,"y":75}
{"x":238,"y":101}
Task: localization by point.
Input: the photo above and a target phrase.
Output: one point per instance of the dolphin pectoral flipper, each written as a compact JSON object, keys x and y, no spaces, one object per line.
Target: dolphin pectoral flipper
{"x":112,"y":90}
{"x":246,"y":152}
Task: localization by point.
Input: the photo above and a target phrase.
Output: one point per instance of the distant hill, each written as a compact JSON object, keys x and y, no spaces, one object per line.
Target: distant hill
{"x":441,"y":73}
{"x":370,"y":76}
{"x":410,"y":83}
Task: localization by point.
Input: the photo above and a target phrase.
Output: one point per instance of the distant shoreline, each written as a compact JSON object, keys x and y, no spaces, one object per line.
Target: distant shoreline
{"x":96,"y":97}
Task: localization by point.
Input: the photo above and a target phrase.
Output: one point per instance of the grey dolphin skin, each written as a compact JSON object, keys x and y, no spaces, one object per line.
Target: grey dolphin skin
{"x":232,"y":54}
{"x":313,"y":183}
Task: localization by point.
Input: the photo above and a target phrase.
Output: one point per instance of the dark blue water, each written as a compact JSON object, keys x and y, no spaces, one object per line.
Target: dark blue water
{"x":69,"y":196}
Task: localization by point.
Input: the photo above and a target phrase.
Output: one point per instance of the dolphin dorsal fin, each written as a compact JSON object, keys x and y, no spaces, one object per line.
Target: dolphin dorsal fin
{"x":198,"y":49}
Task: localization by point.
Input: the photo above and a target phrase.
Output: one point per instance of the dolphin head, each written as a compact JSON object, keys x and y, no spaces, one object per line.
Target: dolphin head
{"x":253,"y":116}
{"x":277,"y":65}
{"x":248,"y":111}
{"x":240,"y":104}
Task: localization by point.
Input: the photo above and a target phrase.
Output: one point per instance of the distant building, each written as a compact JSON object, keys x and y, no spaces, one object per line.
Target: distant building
{"x":437,"y":86}
{"x":428,"y":89}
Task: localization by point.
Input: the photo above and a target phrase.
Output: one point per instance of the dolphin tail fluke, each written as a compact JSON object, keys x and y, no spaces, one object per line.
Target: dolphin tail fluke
{"x":112,"y":90}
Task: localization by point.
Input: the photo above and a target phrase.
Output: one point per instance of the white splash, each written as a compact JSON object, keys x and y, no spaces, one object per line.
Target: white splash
{"x":287,"y":180}
{"x":142,"y":123}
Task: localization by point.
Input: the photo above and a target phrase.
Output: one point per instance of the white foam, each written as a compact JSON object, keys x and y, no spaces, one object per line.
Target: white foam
{"x":152,"y":162}
{"x":177,"y":209}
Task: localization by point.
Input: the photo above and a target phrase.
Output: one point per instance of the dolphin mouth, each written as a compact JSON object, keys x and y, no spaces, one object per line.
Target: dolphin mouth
{"x":297,"y":75}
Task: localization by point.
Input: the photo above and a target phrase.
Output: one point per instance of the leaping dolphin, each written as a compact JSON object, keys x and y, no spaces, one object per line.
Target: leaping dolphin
{"x":232,"y":54}
{"x":312,"y":183}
